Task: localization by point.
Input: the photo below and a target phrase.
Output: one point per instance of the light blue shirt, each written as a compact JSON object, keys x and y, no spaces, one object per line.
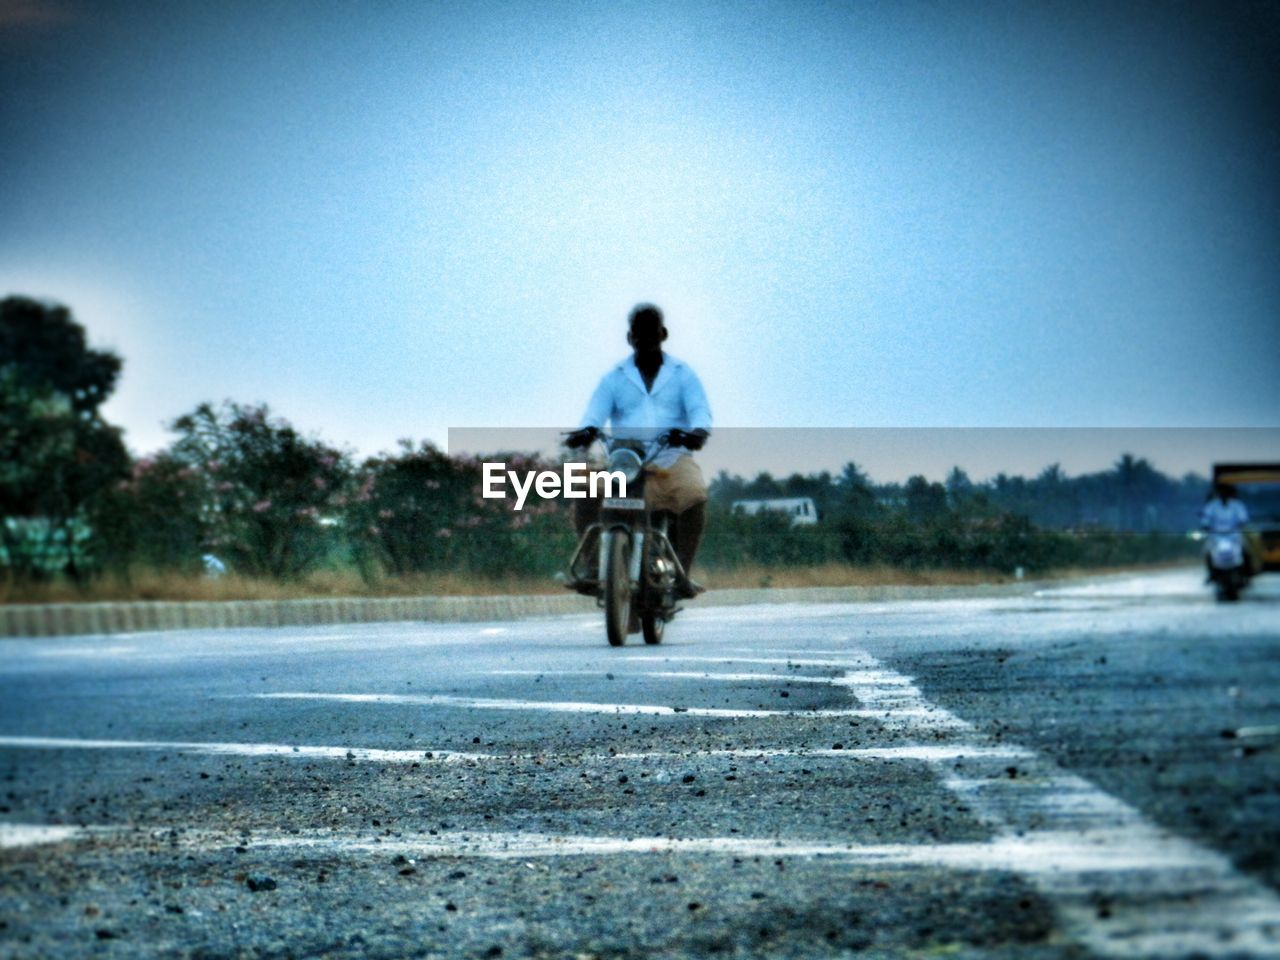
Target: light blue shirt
{"x":1219,"y":517}
{"x":677,"y":400}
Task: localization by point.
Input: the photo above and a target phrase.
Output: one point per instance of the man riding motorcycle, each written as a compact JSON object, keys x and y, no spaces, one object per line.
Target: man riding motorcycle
{"x":649,"y":393}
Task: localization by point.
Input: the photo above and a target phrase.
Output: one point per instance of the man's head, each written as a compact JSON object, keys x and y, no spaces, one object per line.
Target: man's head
{"x":645,"y":329}
{"x":1225,"y":491}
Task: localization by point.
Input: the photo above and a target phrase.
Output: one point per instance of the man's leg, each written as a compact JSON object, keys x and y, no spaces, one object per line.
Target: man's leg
{"x":688,"y":537}
{"x":681,"y":490}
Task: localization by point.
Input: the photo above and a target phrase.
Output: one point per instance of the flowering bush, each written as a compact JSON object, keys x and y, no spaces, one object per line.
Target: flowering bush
{"x":155,"y":517}
{"x":421,"y":510}
{"x":271,"y":498}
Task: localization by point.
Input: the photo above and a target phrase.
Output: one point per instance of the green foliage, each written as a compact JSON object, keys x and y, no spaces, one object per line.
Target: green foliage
{"x":56,"y":453}
{"x":926,"y":535}
{"x":422,"y":511}
{"x":157,"y":517}
{"x":49,"y":349}
{"x":271,"y":498}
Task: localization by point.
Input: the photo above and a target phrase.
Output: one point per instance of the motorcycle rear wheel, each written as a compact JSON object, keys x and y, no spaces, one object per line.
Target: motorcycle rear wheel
{"x":617,"y":588}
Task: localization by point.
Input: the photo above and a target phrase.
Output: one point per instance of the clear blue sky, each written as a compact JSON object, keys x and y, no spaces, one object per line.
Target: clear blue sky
{"x":388,"y":219}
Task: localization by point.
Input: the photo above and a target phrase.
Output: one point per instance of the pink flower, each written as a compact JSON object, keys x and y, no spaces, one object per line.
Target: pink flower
{"x":444,"y":532}
{"x":386,"y":514}
{"x":261,"y":505}
{"x":214,"y":466}
{"x":319,"y":483}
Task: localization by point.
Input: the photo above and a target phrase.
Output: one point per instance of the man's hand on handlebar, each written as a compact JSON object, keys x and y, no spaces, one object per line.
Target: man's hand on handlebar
{"x":689,"y":439}
{"x":577,"y":439}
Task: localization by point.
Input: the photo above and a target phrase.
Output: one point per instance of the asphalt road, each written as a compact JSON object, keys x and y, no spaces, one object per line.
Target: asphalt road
{"x":1092,"y":771}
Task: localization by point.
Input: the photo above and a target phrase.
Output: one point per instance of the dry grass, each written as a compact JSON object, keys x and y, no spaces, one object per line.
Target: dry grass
{"x":840,"y":575}
{"x":155,"y":585}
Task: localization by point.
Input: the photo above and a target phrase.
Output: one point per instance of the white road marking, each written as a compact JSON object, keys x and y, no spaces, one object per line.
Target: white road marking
{"x":1044,"y":853}
{"x":864,"y":677}
{"x":82,"y":651}
{"x":1272,"y":730}
{"x":856,"y":678}
{"x":896,"y":717}
{"x":14,"y":835}
{"x":1079,"y":844}
{"x":853,"y":661}
{"x":844,"y":679}
{"x":930,"y":753}
{"x":923,"y":717}
{"x":248,"y":750}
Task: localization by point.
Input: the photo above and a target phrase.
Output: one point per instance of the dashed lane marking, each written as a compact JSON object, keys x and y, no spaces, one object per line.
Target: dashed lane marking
{"x":14,"y":835}
{"x":896,"y":716}
{"x":299,"y":751}
{"x":1096,"y":852}
{"x":929,"y":752}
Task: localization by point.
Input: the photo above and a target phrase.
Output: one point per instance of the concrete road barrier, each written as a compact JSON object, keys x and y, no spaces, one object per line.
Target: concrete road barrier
{"x":70,"y":619}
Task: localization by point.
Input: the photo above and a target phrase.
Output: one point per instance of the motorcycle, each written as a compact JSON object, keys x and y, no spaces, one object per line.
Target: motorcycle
{"x":637,"y":570}
{"x":1227,"y":564}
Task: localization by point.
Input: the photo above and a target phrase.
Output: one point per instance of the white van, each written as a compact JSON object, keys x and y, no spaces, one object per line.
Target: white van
{"x":801,"y":510}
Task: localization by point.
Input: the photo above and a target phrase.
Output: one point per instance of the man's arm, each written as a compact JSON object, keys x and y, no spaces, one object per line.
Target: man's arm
{"x":600,"y":406}
{"x":599,"y":409}
{"x":696,"y":407}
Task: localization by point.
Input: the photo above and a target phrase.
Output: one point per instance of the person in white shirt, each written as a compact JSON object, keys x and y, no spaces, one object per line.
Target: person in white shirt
{"x":652,"y":392}
{"x":1224,"y":513}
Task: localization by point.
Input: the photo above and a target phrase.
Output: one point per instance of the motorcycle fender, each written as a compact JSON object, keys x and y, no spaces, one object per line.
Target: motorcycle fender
{"x":637,"y":554}
{"x":606,"y":543}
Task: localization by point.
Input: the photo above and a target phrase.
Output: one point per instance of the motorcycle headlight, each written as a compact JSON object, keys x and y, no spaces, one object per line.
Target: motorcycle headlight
{"x":627,"y":462}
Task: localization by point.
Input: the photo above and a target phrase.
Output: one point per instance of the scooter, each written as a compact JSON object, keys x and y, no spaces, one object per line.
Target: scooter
{"x":1227,"y":564}
{"x":637,"y":570}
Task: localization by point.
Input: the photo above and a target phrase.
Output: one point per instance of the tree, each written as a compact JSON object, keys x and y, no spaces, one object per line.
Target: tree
{"x":57,"y":452}
{"x":856,"y":497}
{"x":155,"y":518}
{"x":959,"y":487}
{"x":269,"y":492}
{"x":926,"y":501}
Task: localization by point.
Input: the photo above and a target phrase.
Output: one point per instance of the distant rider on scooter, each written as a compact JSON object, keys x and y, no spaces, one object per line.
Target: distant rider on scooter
{"x":649,"y":393}
{"x":1223,"y":515}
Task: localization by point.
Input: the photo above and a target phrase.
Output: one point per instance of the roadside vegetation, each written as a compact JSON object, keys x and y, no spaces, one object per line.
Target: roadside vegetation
{"x":288,"y":515}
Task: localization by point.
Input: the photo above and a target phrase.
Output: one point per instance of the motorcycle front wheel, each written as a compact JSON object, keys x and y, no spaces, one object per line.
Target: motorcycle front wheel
{"x":617,"y":588}
{"x":652,"y":624}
